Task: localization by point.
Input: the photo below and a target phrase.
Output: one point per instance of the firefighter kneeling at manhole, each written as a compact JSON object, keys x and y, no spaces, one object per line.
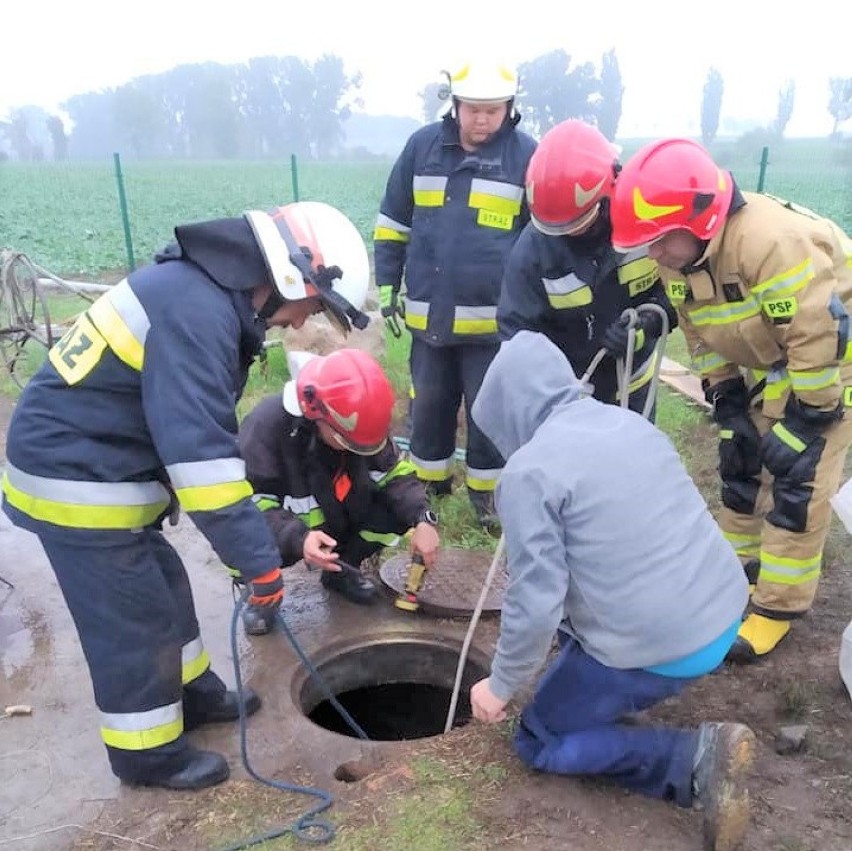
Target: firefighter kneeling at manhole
{"x":609,"y":541}
{"x":328,"y":476}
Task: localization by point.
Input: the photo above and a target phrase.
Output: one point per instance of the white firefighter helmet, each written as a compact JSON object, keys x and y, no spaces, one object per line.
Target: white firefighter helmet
{"x":312,"y":249}
{"x":482,"y":82}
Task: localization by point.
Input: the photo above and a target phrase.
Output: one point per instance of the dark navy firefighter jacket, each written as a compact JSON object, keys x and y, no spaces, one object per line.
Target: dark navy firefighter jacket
{"x":448,"y":219}
{"x":135,"y":405}
{"x":571,"y":288}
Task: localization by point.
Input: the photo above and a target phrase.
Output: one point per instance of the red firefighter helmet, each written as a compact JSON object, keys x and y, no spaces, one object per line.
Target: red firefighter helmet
{"x":666,"y":186}
{"x":348,"y":391}
{"x":572,"y":170}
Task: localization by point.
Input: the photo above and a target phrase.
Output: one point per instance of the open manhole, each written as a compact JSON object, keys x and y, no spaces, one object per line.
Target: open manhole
{"x":394,"y":688}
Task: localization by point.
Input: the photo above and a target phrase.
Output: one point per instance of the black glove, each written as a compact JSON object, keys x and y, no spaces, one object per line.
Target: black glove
{"x":791,"y":448}
{"x":614,"y":340}
{"x":739,"y":439}
{"x":391,"y":309}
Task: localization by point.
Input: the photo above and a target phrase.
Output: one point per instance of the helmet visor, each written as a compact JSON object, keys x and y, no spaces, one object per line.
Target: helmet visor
{"x":357,"y":448}
{"x":572,"y":228}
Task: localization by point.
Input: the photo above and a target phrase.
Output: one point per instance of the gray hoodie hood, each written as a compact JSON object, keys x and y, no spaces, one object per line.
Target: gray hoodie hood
{"x":528,"y":379}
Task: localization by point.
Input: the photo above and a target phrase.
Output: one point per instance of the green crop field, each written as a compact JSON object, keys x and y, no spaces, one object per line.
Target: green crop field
{"x":66,"y":216}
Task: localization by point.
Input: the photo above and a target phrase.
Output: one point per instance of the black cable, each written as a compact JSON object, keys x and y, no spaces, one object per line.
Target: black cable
{"x":307,"y":827}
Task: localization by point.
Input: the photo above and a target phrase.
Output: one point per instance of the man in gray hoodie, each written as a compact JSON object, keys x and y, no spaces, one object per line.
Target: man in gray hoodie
{"x":609,"y":542}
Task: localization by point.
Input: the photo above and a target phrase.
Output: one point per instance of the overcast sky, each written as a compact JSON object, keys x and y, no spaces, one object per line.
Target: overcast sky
{"x":52,"y":50}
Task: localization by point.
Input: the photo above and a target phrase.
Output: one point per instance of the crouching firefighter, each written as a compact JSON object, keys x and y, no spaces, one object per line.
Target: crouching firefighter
{"x":764,"y":291}
{"x":328,"y":477}
{"x":132,"y":416}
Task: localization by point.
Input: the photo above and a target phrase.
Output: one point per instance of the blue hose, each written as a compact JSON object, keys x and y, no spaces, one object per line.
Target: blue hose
{"x":307,"y":828}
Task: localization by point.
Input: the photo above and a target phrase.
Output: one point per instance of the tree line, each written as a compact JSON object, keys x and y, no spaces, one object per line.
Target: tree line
{"x":275,"y":106}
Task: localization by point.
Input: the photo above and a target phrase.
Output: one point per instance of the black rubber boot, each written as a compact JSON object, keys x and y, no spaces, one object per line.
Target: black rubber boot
{"x":258,"y":620}
{"x":350,"y":583}
{"x":197,"y":769}
{"x":199,"y":710}
{"x":486,"y":513}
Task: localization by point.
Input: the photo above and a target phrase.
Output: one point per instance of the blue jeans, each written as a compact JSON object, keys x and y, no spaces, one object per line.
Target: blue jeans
{"x":571,"y":727}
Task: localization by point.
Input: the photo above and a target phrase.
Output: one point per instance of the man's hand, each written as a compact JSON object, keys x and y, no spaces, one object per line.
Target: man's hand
{"x":486,"y":707}
{"x":425,"y":540}
{"x":267,"y":591}
{"x":318,"y":550}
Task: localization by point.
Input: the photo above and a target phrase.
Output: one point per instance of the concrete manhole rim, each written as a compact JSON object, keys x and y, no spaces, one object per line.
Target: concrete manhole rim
{"x":322,"y":657}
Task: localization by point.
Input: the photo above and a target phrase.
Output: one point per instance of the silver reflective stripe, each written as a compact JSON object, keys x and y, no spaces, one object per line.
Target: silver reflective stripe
{"x":300,"y":505}
{"x":377,"y":475}
{"x":485,"y":475}
{"x":191,"y":651}
{"x":86,"y":493}
{"x":483,"y":312}
{"x":130,"y":309}
{"x":383,"y":221}
{"x":429,"y":184}
{"x":195,"y":474}
{"x":494,"y":187}
{"x":134,"y":722}
{"x":630,"y":256}
{"x":563,"y":286}
{"x":431,"y":465}
{"x":416,"y":308}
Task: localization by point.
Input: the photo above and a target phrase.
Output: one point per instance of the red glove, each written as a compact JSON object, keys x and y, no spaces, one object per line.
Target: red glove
{"x":267,"y":590}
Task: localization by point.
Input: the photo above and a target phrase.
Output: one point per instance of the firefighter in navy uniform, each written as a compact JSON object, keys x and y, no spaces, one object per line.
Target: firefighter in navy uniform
{"x":764,"y":290}
{"x":131,"y":417}
{"x":563,"y":278}
{"x":327,"y":476}
{"x":452,"y":209}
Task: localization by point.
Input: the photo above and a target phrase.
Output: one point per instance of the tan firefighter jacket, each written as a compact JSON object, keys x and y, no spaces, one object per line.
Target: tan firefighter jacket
{"x":773,"y":294}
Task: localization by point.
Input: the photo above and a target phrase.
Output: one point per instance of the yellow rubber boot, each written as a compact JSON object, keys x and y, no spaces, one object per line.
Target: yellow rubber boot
{"x":757,"y":636}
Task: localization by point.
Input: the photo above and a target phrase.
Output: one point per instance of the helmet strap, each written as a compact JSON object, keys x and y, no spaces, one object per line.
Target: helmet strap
{"x":273,"y":302}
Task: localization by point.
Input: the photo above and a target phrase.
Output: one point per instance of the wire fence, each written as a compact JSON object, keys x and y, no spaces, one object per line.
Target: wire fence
{"x":68,"y":216}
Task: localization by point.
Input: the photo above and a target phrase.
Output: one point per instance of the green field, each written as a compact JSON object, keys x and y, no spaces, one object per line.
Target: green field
{"x":66,"y":217}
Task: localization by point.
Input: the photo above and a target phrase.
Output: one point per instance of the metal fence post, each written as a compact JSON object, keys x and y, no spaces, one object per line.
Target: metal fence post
{"x":764,"y":162}
{"x":125,"y":218}
{"x":294,"y":177}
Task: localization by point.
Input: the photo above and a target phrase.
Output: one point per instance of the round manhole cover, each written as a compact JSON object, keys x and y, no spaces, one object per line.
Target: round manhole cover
{"x":452,"y":587}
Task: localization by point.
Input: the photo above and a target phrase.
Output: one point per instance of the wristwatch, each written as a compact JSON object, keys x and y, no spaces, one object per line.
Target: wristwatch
{"x":428,"y":516}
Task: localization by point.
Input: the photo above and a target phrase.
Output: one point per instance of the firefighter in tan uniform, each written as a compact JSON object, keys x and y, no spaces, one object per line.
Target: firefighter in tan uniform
{"x":764,"y":292}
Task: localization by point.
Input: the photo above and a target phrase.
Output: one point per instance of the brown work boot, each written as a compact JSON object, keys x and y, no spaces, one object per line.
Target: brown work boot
{"x":722,"y":761}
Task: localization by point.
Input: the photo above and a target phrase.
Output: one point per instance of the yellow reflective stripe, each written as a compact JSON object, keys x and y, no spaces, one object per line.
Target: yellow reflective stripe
{"x":638,"y":275}
{"x":386,"y":539}
{"x":786,"y":436}
{"x":401,"y":468}
{"x":416,"y":314}
{"x":785,"y":283}
{"x":82,"y":516}
{"x":578,"y":298}
{"x":475,"y":326}
{"x":744,"y":545}
{"x":814,"y":379}
{"x":789,"y":571}
{"x":267,"y":503}
{"x":213,"y":497}
{"x":643,"y":375}
{"x":139,"y":731}
{"x":703,"y":364}
{"x":777,"y":384}
{"x":429,"y":197}
{"x":724,"y":314}
{"x":676,"y":291}
{"x":312,"y":518}
{"x":494,"y":204}
{"x":194,"y":660}
{"x":122,"y":321}
{"x":432,"y":471}
{"x":482,"y":480}
{"x":389,"y":235}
